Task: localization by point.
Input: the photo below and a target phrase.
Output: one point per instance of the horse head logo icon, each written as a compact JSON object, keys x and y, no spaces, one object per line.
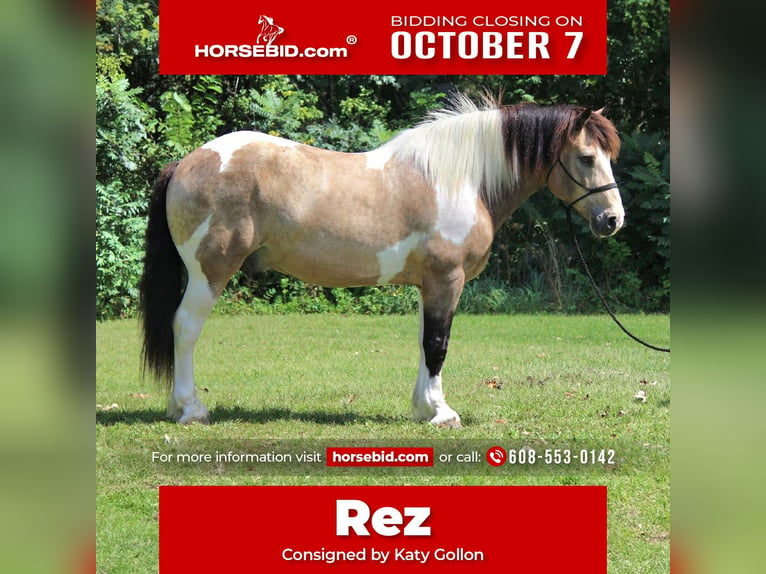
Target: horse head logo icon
{"x":269,"y":30}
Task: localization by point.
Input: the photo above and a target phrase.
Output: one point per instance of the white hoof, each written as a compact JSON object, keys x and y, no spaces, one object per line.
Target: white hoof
{"x":422,"y":411}
{"x":439,"y":415}
{"x":448,"y":419}
{"x":174,"y":412}
{"x":203,"y":419}
{"x":194,"y":412}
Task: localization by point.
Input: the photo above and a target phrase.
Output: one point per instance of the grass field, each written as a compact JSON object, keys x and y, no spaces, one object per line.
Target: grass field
{"x":288,"y":381}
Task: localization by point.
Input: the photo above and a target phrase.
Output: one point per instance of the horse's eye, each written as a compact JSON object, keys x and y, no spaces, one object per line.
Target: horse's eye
{"x":587,"y":160}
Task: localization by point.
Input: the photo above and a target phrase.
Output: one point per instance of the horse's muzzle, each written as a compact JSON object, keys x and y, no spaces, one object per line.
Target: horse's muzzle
{"x":606,"y":223}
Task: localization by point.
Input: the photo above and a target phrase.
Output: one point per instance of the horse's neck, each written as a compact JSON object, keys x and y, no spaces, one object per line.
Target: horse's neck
{"x":509,"y":201}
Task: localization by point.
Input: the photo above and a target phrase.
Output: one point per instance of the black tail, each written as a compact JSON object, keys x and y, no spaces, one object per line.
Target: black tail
{"x":161,"y":285}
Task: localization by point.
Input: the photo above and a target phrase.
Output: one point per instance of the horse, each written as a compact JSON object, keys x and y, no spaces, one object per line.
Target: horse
{"x":422,"y":210}
{"x":269,"y":30}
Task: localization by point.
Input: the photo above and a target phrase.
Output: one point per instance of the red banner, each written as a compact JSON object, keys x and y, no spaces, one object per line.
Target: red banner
{"x":396,"y":37}
{"x":468,"y":529}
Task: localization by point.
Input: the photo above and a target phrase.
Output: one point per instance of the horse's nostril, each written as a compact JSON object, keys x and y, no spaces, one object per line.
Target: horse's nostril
{"x":612,"y":222}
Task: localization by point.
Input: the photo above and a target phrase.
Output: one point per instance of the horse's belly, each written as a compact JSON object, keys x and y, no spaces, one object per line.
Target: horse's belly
{"x":326,"y":263}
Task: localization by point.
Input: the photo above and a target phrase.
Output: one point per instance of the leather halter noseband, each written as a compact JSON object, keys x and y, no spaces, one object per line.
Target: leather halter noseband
{"x":590,"y":190}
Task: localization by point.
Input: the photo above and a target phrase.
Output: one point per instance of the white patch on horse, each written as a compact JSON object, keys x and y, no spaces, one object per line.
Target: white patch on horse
{"x":225,"y":146}
{"x":456,"y":214}
{"x":605,"y":163}
{"x":188,"y":251}
{"x":377,"y":158}
{"x":393,"y":259}
{"x":198,"y":301}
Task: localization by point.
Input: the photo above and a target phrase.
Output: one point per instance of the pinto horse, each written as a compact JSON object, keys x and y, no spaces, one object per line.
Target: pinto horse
{"x":420,"y":210}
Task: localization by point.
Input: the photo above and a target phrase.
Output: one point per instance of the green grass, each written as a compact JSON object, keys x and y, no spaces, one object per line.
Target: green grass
{"x":293,"y":380}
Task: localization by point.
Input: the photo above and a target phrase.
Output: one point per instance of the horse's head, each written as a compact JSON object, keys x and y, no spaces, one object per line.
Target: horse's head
{"x":582,"y":177}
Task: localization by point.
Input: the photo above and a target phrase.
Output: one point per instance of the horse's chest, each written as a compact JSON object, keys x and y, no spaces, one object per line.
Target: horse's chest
{"x":456,"y":217}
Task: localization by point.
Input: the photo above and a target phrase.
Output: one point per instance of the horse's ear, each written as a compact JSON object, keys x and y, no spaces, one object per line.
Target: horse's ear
{"x":581,"y":119}
{"x":600,"y":111}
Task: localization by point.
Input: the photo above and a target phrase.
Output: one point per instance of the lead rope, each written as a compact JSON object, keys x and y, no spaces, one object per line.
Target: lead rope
{"x":568,"y":209}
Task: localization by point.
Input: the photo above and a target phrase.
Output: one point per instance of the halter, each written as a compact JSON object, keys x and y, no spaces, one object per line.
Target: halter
{"x":590,"y":190}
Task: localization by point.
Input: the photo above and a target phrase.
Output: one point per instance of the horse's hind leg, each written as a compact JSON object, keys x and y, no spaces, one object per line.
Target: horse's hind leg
{"x":202,"y":291}
{"x":198,"y":300}
{"x":438,"y":300}
{"x":183,"y":403}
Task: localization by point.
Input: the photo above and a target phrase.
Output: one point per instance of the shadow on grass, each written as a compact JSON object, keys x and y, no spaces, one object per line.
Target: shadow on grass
{"x":239,"y":414}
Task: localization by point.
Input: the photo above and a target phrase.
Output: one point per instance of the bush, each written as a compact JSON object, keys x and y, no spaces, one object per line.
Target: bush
{"x":122,"y":175}
{"x":120,"y":226}
{"x":273,"y":293}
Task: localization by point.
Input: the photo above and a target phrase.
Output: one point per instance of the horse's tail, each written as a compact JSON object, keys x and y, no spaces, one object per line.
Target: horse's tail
{"x":160,"y":288}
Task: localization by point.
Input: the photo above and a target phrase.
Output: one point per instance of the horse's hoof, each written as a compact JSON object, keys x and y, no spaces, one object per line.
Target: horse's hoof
{"x":450,"y":425}
{"x":192,"y":412}
{"x":197,"y":414}
{"x":174,"y":412}
{"x":447,"y":423}
{"x":201,"y":419}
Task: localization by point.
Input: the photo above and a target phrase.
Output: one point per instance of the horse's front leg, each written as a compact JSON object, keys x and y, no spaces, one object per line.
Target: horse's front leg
{"x":438,"y":300}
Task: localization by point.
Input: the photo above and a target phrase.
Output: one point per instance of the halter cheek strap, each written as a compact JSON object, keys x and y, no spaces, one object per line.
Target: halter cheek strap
{"x":590,"y":190}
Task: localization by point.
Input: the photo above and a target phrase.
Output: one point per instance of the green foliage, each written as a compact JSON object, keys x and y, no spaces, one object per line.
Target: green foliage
{"x":121,"y":129}
{"x":120,"y":228}
{"x":123,"y":125}
{"x":486,"y":296}
{"x":279,"y":108}
{"x":363,"y":108}
{"x":644,"y":173}
{"x":191,"y":120}
{"x":277,"y":294}
{"x":179,"y":121}
{"x":129,"y":31}
{"x":422,"y":101}
{"x":638,"y":46}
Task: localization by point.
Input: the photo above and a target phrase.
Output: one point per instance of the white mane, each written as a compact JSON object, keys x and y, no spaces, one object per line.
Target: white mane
{"x":459,"y":147}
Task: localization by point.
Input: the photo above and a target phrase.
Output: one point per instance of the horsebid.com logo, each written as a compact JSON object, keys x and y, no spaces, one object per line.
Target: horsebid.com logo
{"x":265,"y":46}
{"x":269,"y":30}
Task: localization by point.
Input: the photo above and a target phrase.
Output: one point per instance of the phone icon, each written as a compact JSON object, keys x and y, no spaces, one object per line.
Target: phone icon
{"x":496,"y":456}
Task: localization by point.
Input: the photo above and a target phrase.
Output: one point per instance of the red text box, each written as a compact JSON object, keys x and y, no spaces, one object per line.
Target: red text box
{"x":396,"y":37}
{"x":389,"y":528}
